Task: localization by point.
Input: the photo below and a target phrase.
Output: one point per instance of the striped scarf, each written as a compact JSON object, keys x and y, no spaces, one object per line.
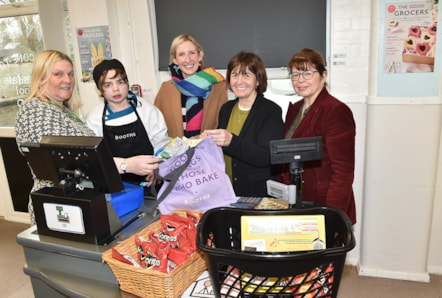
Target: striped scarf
{"x":196,"y":89}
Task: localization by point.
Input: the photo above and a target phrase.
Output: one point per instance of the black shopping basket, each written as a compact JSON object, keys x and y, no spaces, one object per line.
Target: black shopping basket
{"x":237,"y":273}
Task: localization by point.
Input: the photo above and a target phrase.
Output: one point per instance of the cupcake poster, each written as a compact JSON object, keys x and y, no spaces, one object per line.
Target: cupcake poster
{"x":410,"y":36}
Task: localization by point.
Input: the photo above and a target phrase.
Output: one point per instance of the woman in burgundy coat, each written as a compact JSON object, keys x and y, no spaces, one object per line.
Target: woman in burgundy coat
{"x":327,"y":181}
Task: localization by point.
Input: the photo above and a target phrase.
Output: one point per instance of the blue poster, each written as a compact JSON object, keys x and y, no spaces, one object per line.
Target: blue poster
{"x":94,"y":46}
{"x":409,"y":63}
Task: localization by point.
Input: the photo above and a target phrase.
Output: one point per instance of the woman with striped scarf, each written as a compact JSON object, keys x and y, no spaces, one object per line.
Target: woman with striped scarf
{"x":191,"y":100}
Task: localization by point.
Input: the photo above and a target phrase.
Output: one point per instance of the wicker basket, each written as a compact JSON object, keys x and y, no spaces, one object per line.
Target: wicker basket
{"x":150,"y":283}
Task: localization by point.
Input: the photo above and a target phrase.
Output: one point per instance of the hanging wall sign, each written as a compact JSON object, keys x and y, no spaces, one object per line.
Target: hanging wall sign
{"x":410,"y":37}
{"x":408,"y":55}
{"x":94,"y":46}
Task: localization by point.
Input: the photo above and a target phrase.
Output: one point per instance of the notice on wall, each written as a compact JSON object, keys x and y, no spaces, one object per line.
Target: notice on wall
{"x":410,"y":30}
{"x":94,"y":46}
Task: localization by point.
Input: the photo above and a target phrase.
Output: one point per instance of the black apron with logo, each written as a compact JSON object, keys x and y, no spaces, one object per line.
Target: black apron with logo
{"x":128,"y":140}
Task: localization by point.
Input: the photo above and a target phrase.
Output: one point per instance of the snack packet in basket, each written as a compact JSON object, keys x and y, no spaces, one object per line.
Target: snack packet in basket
{"x":124,"y":258}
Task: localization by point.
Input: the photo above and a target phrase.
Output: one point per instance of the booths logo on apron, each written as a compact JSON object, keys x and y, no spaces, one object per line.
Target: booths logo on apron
{"x":126,"y":136}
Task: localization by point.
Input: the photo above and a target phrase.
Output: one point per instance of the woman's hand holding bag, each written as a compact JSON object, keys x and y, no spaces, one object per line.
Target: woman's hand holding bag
{"x":195,"y":180}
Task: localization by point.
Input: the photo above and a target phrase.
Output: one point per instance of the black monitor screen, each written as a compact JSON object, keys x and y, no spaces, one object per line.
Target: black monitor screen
{"x":295,"y":150}
{"x":87,"y":159}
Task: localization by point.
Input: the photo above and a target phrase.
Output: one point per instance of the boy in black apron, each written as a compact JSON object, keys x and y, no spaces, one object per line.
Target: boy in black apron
{"x":133,"y":128}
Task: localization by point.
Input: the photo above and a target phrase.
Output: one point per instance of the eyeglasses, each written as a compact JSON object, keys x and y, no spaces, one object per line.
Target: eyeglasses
{"x":307,"y":75}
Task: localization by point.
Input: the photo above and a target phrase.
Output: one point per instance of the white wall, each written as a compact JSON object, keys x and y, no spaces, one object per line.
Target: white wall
{"x":434,"y":257}
{"x":88,"y":14}
{"x":349,"y":38}
{"x":399,"y":190}
{"x":401,"y":170}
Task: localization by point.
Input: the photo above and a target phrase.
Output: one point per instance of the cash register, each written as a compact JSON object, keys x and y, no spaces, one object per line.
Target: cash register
{"x":84,"y":176}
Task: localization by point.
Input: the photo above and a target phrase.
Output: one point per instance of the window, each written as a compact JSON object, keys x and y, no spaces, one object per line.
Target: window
{"x":20,"y":39}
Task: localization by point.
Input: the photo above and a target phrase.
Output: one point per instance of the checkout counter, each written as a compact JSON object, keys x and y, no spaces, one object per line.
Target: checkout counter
{"x":65,"y":268}
{"x":77,"y":218}
{"x":65,"y":260}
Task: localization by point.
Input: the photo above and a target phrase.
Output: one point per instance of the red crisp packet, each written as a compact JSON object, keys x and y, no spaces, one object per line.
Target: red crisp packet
{"x":189,"y":222}
{"x":174,"y":220}
{"x":181,"y":227}
{"x":172,"y":236}
{"x":139,"y":240}
{"x":194,"y":216}
{"x":190,"y":235}
{"x":182,"y":220}
{"x":171,"y":222}
{"x":156,"y":257}
{"x":192,"y":220}
{"x":124,"y":258}
{"x":177,"y":256}
{"x":155,"y":238}
{"x":325,"y":281}
{"x":186,"y":245}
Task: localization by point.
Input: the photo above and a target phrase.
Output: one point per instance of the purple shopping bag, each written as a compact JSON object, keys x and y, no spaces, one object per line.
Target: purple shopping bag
{"x":195,"y":180}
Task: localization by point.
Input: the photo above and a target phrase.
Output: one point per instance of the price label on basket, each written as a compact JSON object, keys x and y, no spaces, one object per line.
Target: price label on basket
{"x":282,"y":233}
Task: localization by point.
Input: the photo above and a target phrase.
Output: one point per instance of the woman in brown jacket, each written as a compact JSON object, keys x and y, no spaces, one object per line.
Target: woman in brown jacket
{"x":191,"y":100}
